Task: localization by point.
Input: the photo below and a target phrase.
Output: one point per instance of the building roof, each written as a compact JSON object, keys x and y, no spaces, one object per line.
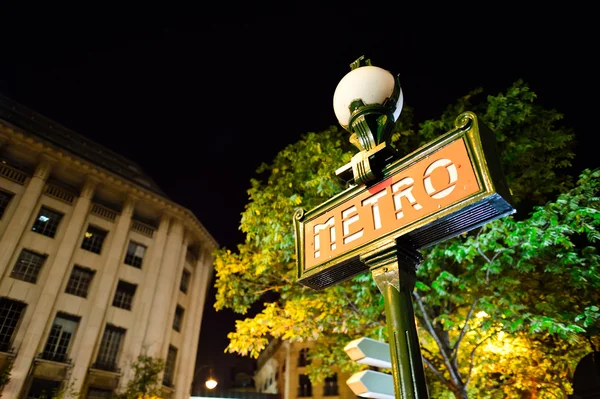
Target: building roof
{"x":53,"y":133}
{"x":56,"y":136}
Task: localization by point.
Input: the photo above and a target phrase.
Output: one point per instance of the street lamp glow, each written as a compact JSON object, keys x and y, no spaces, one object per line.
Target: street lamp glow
{"x":211,"y":383}
{"x":371,"y":84}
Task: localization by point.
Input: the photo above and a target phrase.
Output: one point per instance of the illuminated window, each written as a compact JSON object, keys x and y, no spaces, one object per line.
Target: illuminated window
{"x":124,"y":295}
{"x":10,"y":314}
{"x":4,"y":201}
{"x":185,"y":281}
{"x":28,"y":266}
{"x":80,"y":281}
{"x":135,"y":254}
{"x":93,"y":239}
{"x":47,"y":222}
{"x":178,"y":319}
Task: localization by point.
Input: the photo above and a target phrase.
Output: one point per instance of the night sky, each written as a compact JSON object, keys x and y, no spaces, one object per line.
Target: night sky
{"x":200,"y":96}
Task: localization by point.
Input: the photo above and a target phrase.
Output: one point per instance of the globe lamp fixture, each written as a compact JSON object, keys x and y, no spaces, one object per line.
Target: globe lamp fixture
{"x":210,"y":383}
{"x":367,"y":102}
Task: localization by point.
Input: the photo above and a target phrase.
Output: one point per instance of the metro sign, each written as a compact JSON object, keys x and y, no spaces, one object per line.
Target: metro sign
{"x":451,"y":185}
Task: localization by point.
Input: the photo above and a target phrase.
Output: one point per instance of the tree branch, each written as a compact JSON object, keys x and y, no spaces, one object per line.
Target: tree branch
{"x":436,"y":372}
{"x":489,"y":261}
{"x":464,"y":329}
{"x":352,"y":304}
{"x":447,"y":362}
{"x":271,"y":288}
{"x":472,"y":360}
{"x":564,"y":392}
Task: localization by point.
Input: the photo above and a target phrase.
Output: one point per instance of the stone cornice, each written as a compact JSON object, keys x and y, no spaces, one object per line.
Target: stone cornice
{"x":17,"y":137}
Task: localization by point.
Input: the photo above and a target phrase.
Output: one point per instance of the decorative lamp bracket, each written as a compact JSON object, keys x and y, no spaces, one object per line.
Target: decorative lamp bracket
{"x":371,"y":127}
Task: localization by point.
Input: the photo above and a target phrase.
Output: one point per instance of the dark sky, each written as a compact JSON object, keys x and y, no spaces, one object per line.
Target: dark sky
{"x":200,"y":96}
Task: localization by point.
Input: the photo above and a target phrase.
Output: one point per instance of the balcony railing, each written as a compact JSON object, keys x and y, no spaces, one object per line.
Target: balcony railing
{"x":12,"y":174}
{"x":55,"y":357}
{"x":104,"y":212}
{"x":59,"y":194}
{"x":106,"y":366}
{"x":6,"y":347}
{"x":142,"y":228}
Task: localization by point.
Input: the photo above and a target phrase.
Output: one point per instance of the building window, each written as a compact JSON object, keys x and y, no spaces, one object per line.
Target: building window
{"x":135,"y":254}
{"x":80,"y":281}
{"x":303,"y":357}
{"x":170,"y":366}
{"x":109,"y":348}
{"x":93,"y":239}
{"x":185,"y":281}
{"x":60,"y":337}
{"x":47,"y":222}
{"x":10,"y":314}
{"x":42,"y":388}
{"x":124,"y":295}
{"x":178,"y":319}
{"x":4,"y":201}
{"x":28,"y":266}
{"x":330,"y":386}
{"x":97,"y":393}
{"x":304,"y":386}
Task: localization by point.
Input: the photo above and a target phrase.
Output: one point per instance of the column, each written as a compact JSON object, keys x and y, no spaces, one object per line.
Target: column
{"x":202,"y":277}
{"x":164,"y":290}
{"x":176,"y":281}
{"x":45,"y":305}
{"x":151,"y":268}
{"x":287,"y":391}
{"x":92,"y":327}
{"x":17,"y":224}
{"x":184,"y":374}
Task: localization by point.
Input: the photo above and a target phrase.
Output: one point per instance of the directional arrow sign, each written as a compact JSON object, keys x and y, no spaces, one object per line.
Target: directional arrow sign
{"x":369,"y":351}
{"x":372,"y":384}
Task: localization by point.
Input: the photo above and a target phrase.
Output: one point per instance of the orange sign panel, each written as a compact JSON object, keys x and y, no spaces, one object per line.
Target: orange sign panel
{"x":432,"y":184}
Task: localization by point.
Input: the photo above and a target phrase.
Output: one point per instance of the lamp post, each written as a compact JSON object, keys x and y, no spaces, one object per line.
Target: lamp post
{"x":395,"y":206}
{"x":367,"y":102}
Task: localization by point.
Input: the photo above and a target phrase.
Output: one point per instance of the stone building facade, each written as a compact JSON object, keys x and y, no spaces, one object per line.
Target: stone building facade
{"x":281,"y":369}
{"x":97,"y":265}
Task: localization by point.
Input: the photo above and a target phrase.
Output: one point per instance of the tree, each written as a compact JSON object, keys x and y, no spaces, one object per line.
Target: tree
{"x":5,"y":375}
{"x":66,"y":391}
{"x":510,"y":270}
{"x":145,"y":381}
{"x":537,"y":274}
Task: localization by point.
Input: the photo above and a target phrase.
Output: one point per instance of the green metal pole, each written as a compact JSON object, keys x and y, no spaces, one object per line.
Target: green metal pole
{"x":395,"y":278}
